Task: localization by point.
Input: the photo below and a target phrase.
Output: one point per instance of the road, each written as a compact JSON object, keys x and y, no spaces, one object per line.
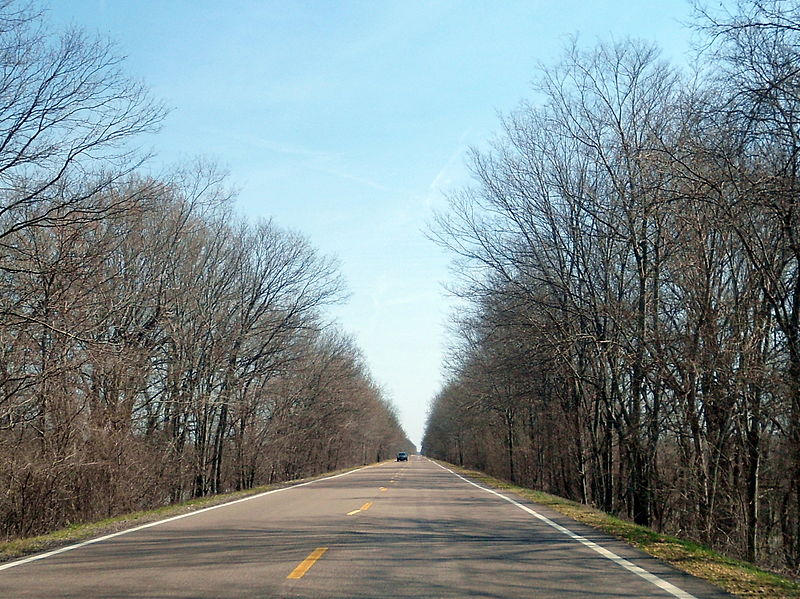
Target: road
{"x":397,"y":529}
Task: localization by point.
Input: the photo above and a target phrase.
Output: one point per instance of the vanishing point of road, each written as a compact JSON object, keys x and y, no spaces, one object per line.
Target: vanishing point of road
{"x":397,"y":529}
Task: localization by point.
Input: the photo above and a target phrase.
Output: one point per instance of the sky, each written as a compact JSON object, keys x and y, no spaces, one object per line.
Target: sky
{"x":350,"y":121}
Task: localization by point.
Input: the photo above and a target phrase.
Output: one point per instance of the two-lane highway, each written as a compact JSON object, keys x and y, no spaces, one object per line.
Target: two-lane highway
{"x":398,"y":529}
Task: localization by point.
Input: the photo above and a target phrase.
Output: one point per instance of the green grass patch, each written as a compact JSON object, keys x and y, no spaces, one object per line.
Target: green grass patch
{"x":75,"y":533}
{"x":736,"y":577}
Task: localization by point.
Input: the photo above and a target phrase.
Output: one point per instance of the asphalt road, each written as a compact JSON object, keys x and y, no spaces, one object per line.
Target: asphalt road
{"x":407,"y":529}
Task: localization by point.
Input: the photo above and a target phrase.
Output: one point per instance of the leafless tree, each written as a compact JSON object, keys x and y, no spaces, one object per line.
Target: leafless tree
{"x":628,"y":248}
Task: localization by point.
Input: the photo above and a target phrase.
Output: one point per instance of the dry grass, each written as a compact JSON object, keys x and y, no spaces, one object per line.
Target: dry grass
{"x":736,"y":577}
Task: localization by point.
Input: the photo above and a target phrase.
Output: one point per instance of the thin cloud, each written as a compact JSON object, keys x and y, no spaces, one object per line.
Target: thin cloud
{"x":444,"y":177}
{"x":328,"y":163}
{"x":343,"y":174}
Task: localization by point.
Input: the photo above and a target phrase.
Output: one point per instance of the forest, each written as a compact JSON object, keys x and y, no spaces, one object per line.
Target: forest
{"x":628,"y":260}
{"x":154,"y":345}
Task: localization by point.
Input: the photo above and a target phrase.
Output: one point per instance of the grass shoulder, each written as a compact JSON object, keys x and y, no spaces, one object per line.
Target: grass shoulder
{"x":79,"y":532}
{"x":739,"y":578}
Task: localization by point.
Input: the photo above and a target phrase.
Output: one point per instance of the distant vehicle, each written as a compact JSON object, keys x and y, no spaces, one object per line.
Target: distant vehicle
{"x":402,"y":456}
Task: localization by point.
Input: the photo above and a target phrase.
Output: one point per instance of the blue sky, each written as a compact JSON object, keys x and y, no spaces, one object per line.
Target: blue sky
{"x":349,"y":120}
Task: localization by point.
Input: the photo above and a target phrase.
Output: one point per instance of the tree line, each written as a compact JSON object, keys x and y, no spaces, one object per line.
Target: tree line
{"x":629,"y":259}
{"x":154,"y":346}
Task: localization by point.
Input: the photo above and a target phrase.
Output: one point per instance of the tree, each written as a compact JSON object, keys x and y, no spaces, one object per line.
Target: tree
{"x":67,"y":113}
{"x":629,"y":252}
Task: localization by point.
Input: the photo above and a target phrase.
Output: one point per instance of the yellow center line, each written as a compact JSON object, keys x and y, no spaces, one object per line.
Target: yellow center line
{"x":306,"y":564}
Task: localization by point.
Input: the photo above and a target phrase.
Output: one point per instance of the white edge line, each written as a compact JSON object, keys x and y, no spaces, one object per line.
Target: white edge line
{"x":34,"y":558}
{"x":621,"y":561}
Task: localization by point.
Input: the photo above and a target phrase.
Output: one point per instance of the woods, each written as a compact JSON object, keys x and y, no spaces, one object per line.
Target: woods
{"x":630,"y":270}
{"x":154,"y":346}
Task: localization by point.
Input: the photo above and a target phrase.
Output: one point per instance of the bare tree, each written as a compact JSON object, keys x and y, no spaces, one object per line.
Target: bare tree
{"x":630,"y":240}
{"x":67,"y":112}
{"x":153,"y":345}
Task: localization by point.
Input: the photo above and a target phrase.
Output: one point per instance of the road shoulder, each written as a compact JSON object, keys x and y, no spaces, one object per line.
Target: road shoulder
{"x":684,"y":564}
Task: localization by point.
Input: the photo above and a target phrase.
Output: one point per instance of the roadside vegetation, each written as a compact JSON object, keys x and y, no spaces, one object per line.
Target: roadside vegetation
{"x":154,"y":346}
{"x":629,"y":263}
{"x":736,"y":577}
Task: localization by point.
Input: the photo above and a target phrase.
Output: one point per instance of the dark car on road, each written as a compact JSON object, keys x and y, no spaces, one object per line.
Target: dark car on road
{"x":402,"y":456}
